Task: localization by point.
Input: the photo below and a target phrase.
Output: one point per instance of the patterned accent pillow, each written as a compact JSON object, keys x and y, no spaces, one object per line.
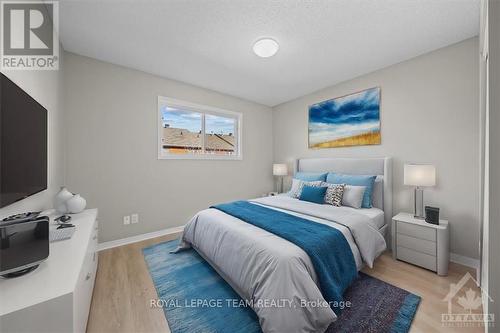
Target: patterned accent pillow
{"x":334,"y":193}
{"x":298,"y":184}
{"x":295,"y":188}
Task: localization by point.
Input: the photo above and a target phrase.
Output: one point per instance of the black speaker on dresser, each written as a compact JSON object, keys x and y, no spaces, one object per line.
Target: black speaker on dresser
{"x":432,"y":215}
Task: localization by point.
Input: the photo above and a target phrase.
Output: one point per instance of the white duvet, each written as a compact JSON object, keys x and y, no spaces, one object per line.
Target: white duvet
{"x":273,"y":275}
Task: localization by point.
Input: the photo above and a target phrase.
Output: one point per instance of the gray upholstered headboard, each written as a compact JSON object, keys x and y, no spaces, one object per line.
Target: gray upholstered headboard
{"x":381,"y":167}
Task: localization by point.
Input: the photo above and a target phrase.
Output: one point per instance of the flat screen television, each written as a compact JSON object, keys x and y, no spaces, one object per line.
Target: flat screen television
{"x":23,"y":144}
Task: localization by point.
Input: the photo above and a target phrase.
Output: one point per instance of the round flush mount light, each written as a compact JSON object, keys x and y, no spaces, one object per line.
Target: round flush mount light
{"x":266,"y":47}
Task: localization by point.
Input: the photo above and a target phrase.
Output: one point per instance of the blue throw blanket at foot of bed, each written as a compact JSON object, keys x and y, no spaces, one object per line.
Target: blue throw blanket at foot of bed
{"x":326,"y":246}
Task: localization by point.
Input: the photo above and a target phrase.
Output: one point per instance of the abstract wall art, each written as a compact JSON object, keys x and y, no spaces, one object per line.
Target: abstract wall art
{"x":351,"y":120}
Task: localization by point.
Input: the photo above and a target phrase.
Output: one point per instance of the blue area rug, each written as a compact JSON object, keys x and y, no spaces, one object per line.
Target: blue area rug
{"x":195,"y":298}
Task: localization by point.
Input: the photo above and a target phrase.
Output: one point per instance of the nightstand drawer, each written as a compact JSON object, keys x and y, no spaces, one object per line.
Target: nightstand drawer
{"x":417,"y":244}
{"x":417,"y":258}
{"x":416,"y":231}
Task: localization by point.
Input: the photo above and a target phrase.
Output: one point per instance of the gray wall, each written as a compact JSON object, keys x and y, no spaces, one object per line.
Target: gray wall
{"x":111,"y":134}
{"x":429,"y":114}
{"x":46,"y":88}
{"x":494,"y":161}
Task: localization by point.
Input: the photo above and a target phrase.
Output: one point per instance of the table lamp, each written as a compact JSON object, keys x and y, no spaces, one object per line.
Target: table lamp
{"x":280,"y":170}
{"x":419,"y":175}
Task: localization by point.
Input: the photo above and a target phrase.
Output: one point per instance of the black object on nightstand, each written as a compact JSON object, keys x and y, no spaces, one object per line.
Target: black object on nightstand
{"x":432,"y":215}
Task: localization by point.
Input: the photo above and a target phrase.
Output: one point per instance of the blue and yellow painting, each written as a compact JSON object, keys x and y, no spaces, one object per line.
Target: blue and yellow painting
{"x":352,"y":120}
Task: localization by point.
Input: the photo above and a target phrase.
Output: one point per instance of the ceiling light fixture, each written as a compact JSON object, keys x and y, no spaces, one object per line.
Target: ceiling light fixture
{"x":266,"y":47}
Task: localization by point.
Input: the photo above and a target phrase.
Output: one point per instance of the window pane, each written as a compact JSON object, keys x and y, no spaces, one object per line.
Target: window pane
{"x":181,"y":131}
{"x":220,"y":135}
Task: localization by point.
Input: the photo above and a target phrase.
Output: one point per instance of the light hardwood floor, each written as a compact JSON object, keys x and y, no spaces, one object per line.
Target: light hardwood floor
{"x":123,"y":290}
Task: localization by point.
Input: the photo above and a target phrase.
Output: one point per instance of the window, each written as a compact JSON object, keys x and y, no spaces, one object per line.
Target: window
{"x":191,"y":131}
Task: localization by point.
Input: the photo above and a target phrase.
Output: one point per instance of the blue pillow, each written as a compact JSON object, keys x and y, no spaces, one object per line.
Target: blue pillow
{"x":313,"y":194}
{"x":310,"y":176}
{"x":356,"y":180}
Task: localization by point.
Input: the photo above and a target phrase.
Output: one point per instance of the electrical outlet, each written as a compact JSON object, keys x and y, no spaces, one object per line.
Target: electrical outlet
{"x":135,"y":218}
{"x":126,"y":219}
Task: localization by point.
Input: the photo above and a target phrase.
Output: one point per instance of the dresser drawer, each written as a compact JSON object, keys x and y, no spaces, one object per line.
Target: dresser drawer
{"x":416,"y":258}
{"x":94,"y":240}
{"x":416,"y":231}
{"x":417,"y":244}
{"x":82,"y":296}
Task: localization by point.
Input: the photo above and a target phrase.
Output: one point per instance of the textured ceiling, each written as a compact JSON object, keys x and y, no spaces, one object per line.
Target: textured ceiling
{"x":208,"y":43}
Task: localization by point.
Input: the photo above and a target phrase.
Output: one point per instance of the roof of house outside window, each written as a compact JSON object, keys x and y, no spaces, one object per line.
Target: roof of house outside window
{"x":183,"y":138}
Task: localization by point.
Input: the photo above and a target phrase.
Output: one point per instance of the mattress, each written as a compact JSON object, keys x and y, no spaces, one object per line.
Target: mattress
{"x":376,"y":216}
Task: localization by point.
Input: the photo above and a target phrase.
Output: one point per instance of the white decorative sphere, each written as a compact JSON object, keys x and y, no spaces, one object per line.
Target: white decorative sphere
{"x":61,"y":197}
{"x":76,"y":204}
{"x":61,"y":208}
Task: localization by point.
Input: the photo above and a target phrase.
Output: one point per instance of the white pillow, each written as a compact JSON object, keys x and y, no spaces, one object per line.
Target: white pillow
{"x":298,"y":184}
{"x":353,"y":196}
{"x":378,"y":192}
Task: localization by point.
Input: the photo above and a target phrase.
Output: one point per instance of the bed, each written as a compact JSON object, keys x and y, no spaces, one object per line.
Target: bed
{"x":264,"y":268}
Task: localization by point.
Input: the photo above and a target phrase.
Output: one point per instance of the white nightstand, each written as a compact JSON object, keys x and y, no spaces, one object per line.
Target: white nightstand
{"x":421,"y":243}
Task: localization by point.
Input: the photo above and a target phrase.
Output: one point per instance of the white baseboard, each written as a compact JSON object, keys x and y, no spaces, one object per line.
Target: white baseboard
{"x":466,"y":261}
{"x":138,"y":238}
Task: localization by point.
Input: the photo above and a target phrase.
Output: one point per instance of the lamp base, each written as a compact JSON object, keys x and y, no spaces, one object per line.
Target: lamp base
{"x":419,"y":204}
{"x":279,"y":184}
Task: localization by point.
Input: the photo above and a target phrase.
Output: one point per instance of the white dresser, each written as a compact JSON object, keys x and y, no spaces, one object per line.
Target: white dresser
{"x":56,"y":296}
{"x":421,"y":243}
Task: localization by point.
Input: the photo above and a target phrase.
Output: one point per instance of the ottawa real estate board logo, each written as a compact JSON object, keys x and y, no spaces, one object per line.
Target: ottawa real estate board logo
{"x":29,"y":35}
{"x":465,"y":300}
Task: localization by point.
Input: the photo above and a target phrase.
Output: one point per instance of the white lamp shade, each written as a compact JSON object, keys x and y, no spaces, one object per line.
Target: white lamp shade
{"x":419,"y":175}
{"x":280,"y":170}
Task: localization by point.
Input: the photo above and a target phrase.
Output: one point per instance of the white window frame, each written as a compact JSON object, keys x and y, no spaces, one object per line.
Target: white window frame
{"x":203,"y":109}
